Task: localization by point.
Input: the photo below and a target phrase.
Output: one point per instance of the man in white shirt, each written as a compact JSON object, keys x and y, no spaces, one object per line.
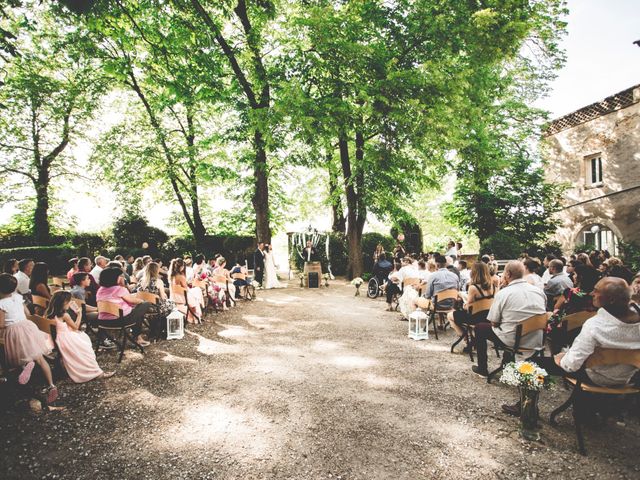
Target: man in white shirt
{"x":407,"y":270}
{"x":558,"y":282}
{"x":545,"y":263}
{"x":23,"y":275}
{"x":100,"y":264}
{"x":452,"y":251}
{"x":513,"y":304}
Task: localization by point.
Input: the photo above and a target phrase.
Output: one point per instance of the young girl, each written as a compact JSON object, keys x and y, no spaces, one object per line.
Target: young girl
{"x":24,"y":344}
{"x":75,"y":346}
{"x":177,"y":278}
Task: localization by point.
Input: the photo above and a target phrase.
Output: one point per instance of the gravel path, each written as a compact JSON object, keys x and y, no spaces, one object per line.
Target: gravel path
{"x":301,"y":384}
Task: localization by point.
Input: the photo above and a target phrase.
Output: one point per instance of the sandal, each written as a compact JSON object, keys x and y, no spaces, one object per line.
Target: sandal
{"x":52,"y":394}
{"x":25,"y":375}
{"x":107,"y":375}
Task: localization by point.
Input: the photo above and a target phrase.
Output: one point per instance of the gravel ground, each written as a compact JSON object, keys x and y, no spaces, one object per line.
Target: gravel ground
{"x":301,"y":384}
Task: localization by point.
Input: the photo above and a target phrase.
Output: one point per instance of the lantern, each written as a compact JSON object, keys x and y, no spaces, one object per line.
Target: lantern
{"x":145,"y":245}
{"x":175,"y":325}
{"x":401,"y":237}
{"x":419,"y":321}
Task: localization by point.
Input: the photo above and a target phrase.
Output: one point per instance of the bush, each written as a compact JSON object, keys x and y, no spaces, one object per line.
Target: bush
{"x":90,"y":244}
{"x":369,"y":243}
{"x":129,"y":233}
{"x":337,"y":252}
{"x":232,"y":247}
{"x":630,"y":253}
{"x":502,"y":245}
{"x":56,"y":256}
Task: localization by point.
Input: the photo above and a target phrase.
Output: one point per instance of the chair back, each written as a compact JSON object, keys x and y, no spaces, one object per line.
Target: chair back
{"x":219,"y":278}
{"x":480,"y":306}
{"x":59,"y":282}
{"x":78,"y":301}
{"x":613,"y":356}
{"x":533,"y":324}
{"x":43,"y":323}
{"x":41,"y":302}
{"x":109,"y":308}
{"x":423,"y":303}
{"x":238,"y":276}
{"x":411,"y":282}
{"x":147,"y":297}
{"x":576,"y":320}
{"x":439,"y":297}
{"x":199,"y":283}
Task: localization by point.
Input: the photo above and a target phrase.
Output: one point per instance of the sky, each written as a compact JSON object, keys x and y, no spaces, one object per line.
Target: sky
{"x":601,"y":60}
{"x":601,"y":57}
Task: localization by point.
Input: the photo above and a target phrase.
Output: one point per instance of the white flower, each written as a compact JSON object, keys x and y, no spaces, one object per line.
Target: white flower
{"x":255,"y":284}
{"x":357,"y":282}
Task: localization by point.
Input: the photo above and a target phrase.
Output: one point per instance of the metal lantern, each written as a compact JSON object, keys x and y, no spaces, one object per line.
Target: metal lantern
{"x":418,"y":325}
{"x":175,"y":325}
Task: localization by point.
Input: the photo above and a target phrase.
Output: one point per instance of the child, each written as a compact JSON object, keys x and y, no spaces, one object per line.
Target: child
{"x":24,"y":344}
{"x":75,"y":346}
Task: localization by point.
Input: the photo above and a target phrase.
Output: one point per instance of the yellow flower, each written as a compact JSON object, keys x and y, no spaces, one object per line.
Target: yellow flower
{"x":540,"y":378}
{"x":526,"y":369}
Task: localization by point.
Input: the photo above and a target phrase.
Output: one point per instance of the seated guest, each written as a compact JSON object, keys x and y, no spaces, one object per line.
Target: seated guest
{"x":558,"y":282}
{"x":79,"y":291}
{"x":74,"y":345}
{"x":129,"y":265}
{"x":23,"y":275}
{"x":516,"y":302}
{"x":24,"y":344}
{"x":38,"y":283}
{"x":493,"y":271}
{"x":635,"y":288}
{"x":481,"y":288}
{"x":152,"y":283}
{"x":532,"y":266}
{"x":382,"y":268}
{"x":452,"y":268}
{"x":392,"y":287}
{"x":465,"y":274}
{"x":221,"y":271}
{"x":238,"y":282}
{"x":84,"y":265}
{"x":121,"y":266}
{"x":545,"y":263}
{"x":138,"y":267}
{"x":423,"y":274}
{"x":100,"y":264}
{"x":441,"y":280}
{"x":10,"y":266}
{"x":177,"y":278}
{"x":616,"y":325}
{"x":485,"y":259}
{"x":73,"y":268}
{"x":112,"y":290}
{"x":199,"y":267}
{"x":188,"y":268}
{"x":620,"y":271}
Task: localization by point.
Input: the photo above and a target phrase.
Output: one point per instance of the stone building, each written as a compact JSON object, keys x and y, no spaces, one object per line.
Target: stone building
{"x":596,"y":150}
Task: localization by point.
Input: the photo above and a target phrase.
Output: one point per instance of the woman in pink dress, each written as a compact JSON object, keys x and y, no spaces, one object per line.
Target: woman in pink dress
{"x":178,"y":281}
{"x":24,"y":344}
{"x":75,"y":346}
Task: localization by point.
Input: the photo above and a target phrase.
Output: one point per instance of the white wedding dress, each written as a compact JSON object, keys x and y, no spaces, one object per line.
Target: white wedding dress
{"x":270,"y":272}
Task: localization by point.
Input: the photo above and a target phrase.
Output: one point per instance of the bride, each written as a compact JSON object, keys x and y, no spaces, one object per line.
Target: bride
{"x":270,"y":271}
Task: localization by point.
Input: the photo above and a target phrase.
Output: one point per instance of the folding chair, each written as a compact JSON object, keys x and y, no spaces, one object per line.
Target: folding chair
{"x":123,"y":328}
{"x":438,"y":310}
{"x":576,"y":320}
{"x":149,"y":317}
{"x":248,"y":291}
{"x":89,"y":328}
{"x":221,"y":279}
{"x":478,"y":306}
{"x":180,"y":291}
{"x":40,"y":304}
{"x":525,"y":327}
{"x":600,"y":357}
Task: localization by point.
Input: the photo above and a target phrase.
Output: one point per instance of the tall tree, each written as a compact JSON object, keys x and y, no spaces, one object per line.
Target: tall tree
{"x":51,"y":91}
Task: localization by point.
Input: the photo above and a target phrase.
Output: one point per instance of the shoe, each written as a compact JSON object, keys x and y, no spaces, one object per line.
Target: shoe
{"x":480,"y":371}
{"x":467,"y":349}
{"x":107,"y":344}
{"x":51,"y":394}
{"x":25,"y":375}
{"x":513,"y":410}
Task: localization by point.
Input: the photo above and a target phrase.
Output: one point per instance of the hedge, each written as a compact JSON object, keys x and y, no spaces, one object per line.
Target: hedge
{"x":56,"y":256}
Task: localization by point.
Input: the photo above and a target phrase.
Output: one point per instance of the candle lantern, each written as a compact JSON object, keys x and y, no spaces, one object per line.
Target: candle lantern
{"x":419,"y":321}
{"x":175,"y":325}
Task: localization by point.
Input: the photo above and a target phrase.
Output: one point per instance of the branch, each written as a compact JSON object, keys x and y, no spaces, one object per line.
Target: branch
{"x":6,"y":145}
{"x":19,"y":172}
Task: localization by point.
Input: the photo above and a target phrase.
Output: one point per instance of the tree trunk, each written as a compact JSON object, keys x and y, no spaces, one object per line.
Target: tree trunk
{"x":339,"y":224}
{"x":199,"y":230}
{"x":260,"y":197}
{"x":355,"y":266}
{"x":41,"y":225}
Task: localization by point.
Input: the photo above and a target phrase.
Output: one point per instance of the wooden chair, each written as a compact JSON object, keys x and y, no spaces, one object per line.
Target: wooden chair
{"x":60,"y":282}
{"x":600,"y":357}
{"x":180,"y":291}
{"x":44,"y":324}
{"x":412,"y":282}
{"x":438,"y":310}
{"x":123,"y":328}
{"x":89,"y":329}
{"x":483,"y":305}
{"x":151,"y":319}
{"x":221,"y":279}
{"x":204,"y":286}
{"x":248,"y":291}
{"x":575,"y":320}
{"x":525,"y":327}
{"x":40,"y":304}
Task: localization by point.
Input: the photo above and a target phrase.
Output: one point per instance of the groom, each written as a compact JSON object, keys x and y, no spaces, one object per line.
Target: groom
{"x":258,"y":262}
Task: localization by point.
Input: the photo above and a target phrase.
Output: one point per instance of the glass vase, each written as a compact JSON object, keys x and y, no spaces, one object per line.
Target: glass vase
{"x":529,"y":414}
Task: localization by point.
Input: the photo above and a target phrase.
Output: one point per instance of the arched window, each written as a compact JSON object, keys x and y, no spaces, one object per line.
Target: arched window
{"x":600,"y":237}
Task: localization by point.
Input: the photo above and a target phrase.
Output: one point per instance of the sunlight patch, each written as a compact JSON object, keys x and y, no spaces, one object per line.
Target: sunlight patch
{"x":352,"y":361}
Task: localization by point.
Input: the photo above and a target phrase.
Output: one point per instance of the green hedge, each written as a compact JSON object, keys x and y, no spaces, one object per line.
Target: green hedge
{"x":369,"y":243}
{"x":56,"y":256}
{"x":338,"y":253}
{"x":232,"y":247}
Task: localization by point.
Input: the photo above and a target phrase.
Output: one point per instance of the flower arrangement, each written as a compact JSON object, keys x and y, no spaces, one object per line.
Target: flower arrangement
{"x":526,"y":375}
{"x":301,"y":277}
{"x":255,"y":284}
{"x":357,"y":282}
{"x":326,"y":278}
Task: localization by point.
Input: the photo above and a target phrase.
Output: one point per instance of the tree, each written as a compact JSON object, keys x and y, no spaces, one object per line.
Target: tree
{"x":51,"y":91}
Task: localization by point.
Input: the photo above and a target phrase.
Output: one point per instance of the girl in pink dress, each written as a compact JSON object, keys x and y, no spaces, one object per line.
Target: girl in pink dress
{"x":24,"y":344}
{"x":75,"y":346}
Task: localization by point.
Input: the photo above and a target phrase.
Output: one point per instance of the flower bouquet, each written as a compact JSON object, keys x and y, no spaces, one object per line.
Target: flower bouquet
{"x":357,"y":282}
{"x":530,"y":379}
{"x":301,"y":276}
{"x":326,"y":277}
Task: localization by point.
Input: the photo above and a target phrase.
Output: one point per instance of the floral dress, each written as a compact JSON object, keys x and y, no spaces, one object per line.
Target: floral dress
{"x":164,"y":307}
{"x":575,"y":301}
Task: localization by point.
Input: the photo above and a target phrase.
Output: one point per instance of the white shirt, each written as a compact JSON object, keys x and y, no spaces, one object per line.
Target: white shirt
{"x":535,"y":280}
{"x":13,"y":309}
{"x":514,"y":303}
{"x":605,"y":331}
{"x":95,"y":273}
{"x":188,"y":271}
{"x":408,"y":271}
{"x":465,"y":277}
{"x":452,"y":252}
{"x":546,"y":276}
{"x":23,"y":282}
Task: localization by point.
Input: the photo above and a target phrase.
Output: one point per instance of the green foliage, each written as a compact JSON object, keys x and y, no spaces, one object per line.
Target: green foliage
{"x":337,"y":253}
{"x":630,"y":253}
{"x":232,"y":247}
{"x":55,"y":256}
{"x":133,"y":231}
{"x":369,"y":243}
{"x":502,"y":245}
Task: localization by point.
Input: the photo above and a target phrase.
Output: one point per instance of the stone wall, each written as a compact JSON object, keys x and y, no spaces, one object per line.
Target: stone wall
{"x":616,"y":203}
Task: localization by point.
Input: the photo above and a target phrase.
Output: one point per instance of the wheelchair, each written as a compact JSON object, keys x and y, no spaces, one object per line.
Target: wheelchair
{"x":374,"y":288}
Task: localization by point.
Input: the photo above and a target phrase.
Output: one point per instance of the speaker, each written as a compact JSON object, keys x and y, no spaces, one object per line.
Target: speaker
{"x":313,"y":280}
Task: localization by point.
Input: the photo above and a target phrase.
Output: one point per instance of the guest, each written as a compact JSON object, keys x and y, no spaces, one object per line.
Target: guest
{"x":199,"y":267}
{"x":74,"y":345}
{"x":23,"y":275}
{"x":481,"y":288}
{"x":423,"y":274}
{"x":545,"y":263}
{"x":239,"y":283}
{"x":558,"y":282}
{"x":258,"y":262}
{"x":177,"y":278}
{"x":38,"y":283}
{"x":129,"y":265}
{"x":493,"y":270}
{"x":24,"y":344}
{"x":382,"y":268}
{"x":442,"y":280}
{"x":459,"y":248}
{"x":452,"y":268}
{"x":112,"y":290}
{"x":620,"y":271}
{"x":152,"y":283}
{"x":10,"y":266}
{"x":73,"y":268}
{"x":516,"y":302}
{"x":584,"y":258}
{"x":84,"y":265}
{"x":452,"y":251}
{"x":392,"y":287}
{"x":465,"y":275}
{"x":138,"y":267}
{"x":188,"y":268}
{"x":532,"y":265}
{"x":221,"y":270}
{"x":100,"y":264}
{"x":635,"y":288}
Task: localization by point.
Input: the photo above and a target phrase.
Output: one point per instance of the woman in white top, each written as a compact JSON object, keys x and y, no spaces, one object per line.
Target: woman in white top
{"x":532,"y":266}
{"x":270,"y":270}
{"x":24,"y":344}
